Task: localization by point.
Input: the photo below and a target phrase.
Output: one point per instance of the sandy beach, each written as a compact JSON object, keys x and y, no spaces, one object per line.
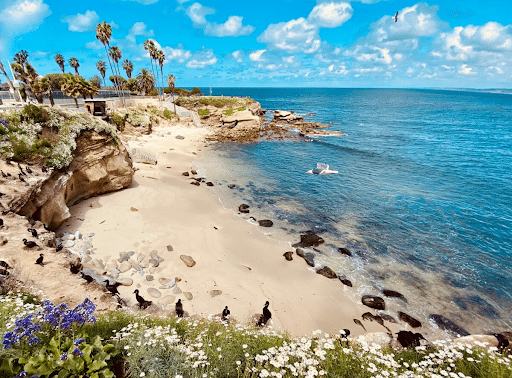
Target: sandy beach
{"x":161,"y":208}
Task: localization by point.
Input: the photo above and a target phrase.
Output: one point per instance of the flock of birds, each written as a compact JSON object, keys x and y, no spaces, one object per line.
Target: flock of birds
{"x":23,"y":174}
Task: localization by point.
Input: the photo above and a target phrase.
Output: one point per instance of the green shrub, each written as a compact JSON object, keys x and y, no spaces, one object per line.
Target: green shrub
{"x":181,"y":91}
{"x":37,"y":114}
{"x":242,"y":109}
{"x":228,"y":112}
{"x":196,"y":91}
{"x":153,"y":92}
{"x":167,"y":114}
{"x":203,"y":112}
{"x":119,"y":121}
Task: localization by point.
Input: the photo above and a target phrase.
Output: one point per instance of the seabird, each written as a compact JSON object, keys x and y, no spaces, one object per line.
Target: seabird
{"x":40,"y":259}
{"x":3,"y":264}
{"x":21,"y":170}
{"x":28,"y":170}
{"x":75,"y":268}
{"x":225,"y":313}
{"x":44,"y":169}
{"x":29,"y":244}
{"x":89,"y":279}
{"x":179,"y":308}
{"x":143,"y":304}
{"x":1,"y":222}
{"x":3,"y":174}
{"x":33,"y":231}
{"x":265,"y":317}
{"x":396,"y":16}
{"x":59,"y":247}
{"x":112,"y":288}
{"x":502,"y":341}
{"x":21,"y":178}
{"x":408,"y":339}
{"x":4,"y":272}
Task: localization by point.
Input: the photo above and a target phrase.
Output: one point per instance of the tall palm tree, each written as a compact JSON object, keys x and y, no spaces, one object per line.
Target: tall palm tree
{"x":146,"y":80}
{"x":9,"y":82}
{"x":73,"y":62}
{"x":103,"y":34}
{"x":170,"y":82}
{"x":21,"y":57}
{"x":160,"y":56}
{"x":59,"y":59}
{"x":150,"y":47}
{"x":128,"y":67}
{"x":102,"y":68}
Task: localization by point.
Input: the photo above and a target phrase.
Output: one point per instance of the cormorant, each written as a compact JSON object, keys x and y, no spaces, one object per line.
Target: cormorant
{"x":502,"y":341}
{"x":112,"y":288}
{"x":29,"y":244}
{"x":21,"y":178}
{"x":265,"y":317}
{"x":33,"y":231}
{"x":143,"y":304}
{"x":3,"y":174}
{"x":28,"y":169}
{"x":89,"y":279}
{"x":3,"y":264}
{"x":59,"y":247}
{"x":75,"y":268}
{"x":40,"y":259}
{"x":225,"y":313}
{"x":179,"y":308}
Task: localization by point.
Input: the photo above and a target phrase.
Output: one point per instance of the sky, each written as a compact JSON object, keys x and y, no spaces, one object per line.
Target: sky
{"x":275,"y":43}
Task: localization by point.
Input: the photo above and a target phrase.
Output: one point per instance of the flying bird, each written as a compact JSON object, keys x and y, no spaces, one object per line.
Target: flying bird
{"x":396,"y":16}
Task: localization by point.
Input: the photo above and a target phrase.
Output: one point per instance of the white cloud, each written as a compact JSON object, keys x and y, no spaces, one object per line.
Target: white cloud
{"x":139,"y":28}
{"x":292,"y":36}
{"x":256,"y":55}
{"x":144,"y":2}
{"x":82,"y":22}
{"x":178,"y":54}
{"x":464,"y":69}
{"x":233,"y":27}
{"x":182,"y":1}
{"x":238,"y":55}
{"x":21,"y":16}
{"x":94,"y":45}
{"x":202,"y":59}
{"x":330,"y":15}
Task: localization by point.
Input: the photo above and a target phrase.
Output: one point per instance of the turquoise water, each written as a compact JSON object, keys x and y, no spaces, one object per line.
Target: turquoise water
{"x":423,"y":197}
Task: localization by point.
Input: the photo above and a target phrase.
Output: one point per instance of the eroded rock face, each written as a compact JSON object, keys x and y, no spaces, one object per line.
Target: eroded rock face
{"x":99,"y":166}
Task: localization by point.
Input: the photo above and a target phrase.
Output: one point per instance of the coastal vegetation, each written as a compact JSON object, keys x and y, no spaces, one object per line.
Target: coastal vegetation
{"x":44,"y":340}
{"x":46,"y":135}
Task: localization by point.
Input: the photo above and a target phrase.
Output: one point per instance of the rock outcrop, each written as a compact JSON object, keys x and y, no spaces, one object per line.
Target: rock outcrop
{"x":99,"y":166}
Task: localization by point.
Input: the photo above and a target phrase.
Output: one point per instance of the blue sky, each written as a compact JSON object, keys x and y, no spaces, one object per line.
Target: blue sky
{"x":265,"y":43}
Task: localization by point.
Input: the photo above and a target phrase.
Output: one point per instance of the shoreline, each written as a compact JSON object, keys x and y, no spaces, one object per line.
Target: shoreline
{"x":231,"y":256}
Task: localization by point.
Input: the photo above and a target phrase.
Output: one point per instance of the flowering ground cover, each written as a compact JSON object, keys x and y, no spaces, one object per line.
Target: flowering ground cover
{"x":43,"y":340}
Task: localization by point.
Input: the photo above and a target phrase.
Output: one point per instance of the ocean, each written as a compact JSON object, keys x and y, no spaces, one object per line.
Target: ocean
{"x":423,"y":197}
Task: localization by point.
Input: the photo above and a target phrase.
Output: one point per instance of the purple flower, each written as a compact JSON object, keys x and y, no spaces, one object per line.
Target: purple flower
{"x":64,"y":356}
{"x":77,"y":352}
{"x":23,"y":374}
{"x":78,"y":341}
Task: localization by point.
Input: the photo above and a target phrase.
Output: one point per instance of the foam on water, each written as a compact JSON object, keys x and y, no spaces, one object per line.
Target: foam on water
{"x":422,"y":199}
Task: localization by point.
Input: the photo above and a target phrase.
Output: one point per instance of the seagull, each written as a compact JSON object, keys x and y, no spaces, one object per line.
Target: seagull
{"x":225,"y":313}
{"x":396,"y":16}
{"x":39,"y":260}
{"x":179,"y":308}
{"x":29,"y":244}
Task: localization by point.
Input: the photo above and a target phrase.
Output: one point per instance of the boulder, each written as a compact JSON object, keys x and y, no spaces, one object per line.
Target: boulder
{"x":154,"y":292}
{"x":215,"y":293}
{"x":176,"y":290}
{"x":188,"y":260}
{"x":243,"y":208}
{"x":392,"y":294}
{"x":388,"y":318}
{"x":288,"y":256}
{"x":309,"y":258}
{"x":300,"y":252}
{"x":149,"y":278}
{"x":243,"y":118}
{"x":185,"y":174}
{"x":167,"y":300}
{"x":309,"y":240}
{"x":164,"y":281}
{"x":344,"y":251}
{"x":448,"y":325}
{"x":124,"y":266}
{"x":327,"y":272}
{"x":99,"y":166}
{"x":180,"y":137}
{"x":265,"y":223}
{"x":345,"y":281}
{"x":188,"y":295}
{"x":414,"y":323}
{"x":373,"y":301}
{"x":154,"y":263}
{"x":209,"y":183}
{"x":193,"y":171}
{"x":196,"y":183}
{"x":133,"y":209}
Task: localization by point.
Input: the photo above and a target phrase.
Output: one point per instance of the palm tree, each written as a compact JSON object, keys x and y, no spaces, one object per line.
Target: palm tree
{"x":73,"y":62}
{"x":9,"y":82}
{"x":71,"y":86}
{"x":146,"y":80}
{"x":27,"y":74}
{"x":160,"y":56}
{"x":43,"y":87}
{"x":102,"y":68}
{"x":59,"y":59}
{"x":170,"y":81}
{"x":149,"y":46}
{"x":103,"y":34}
{"x":128,"y":67}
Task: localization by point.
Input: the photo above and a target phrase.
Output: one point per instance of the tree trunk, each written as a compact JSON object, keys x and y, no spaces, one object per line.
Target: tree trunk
{"x":76,"y":102}
{"x":11,"y":86}
{"x":50,"y":96}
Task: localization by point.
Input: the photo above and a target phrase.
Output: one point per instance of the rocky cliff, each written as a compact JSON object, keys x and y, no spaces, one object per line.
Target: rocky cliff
{"x":99,"y":166}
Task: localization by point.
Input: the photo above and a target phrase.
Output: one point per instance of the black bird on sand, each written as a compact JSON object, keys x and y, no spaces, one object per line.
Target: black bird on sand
{"x":1,"y":222}
{"x":21,"y":170}
{"x":33,"y":231}
{"x":143,"y":304}
{"x":29,"y":244}
{"x":27,"y":168}
{"x":179,"y":308}
{"x":225,"y":313}
{"x":3,"y":264}
{"x":40,"y":259}
{"x":265,"y":317}
{"x":502,"y":341}
{"x":4,"y":272}
{"x":396,"y":16}
{"x":408,"y":339}
{"x":21,"y":177}
{"x":44,"y":169}
{"x":88,"y":278}
{"x":112,"y":287}
{"x":59,"y":247}
{"x":4,"y":174}
{"x":75,"y":268}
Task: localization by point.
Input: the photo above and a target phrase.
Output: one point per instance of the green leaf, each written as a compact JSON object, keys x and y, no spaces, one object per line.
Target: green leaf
{"x":96,"y":365}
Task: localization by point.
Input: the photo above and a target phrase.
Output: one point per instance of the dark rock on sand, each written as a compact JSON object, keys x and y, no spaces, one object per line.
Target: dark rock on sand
{"x":408,"y":339}
{"x":309,"y":258}
{"x":414,"y":323}
{"x":344,"y":251}
{"x":243,"y":208}
{"x":367,"y":316}
{"x":209,"y":183}
{"x":388,"y":318}
{"x":374,"y":302}
{"x":327,"y":272}
{"x":345,"y":281}
{"x":392,"y":294}
{"x":180,"y":137}
{"x":448,"y":325}
{"x":231,"y":186}
{"x":288,"y":255}
{"x":300,"y":252}
{"x":196,"y":183}
{"x":309,"y":240}
{"x":265,"y":223}
{"x":193,"y":171}
{"x":185,"y":174}
{"x":170,"y":248}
